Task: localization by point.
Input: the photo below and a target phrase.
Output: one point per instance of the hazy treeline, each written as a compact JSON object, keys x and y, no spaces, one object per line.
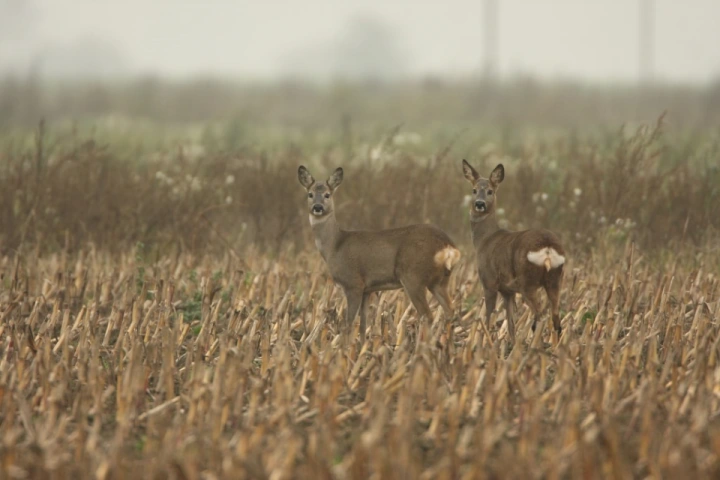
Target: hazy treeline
{"x":523,"y":101}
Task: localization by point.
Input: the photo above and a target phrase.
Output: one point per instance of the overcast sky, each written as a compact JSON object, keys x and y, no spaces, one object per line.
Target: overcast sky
{"x":586,"y":39}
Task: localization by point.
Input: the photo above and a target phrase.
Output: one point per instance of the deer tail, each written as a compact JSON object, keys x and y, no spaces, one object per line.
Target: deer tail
{"x":546,"y":257}
{"x":447,"y":257}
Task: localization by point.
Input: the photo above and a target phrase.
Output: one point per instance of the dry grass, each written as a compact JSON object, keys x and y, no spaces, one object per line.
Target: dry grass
{"x":218,"y":367}
{"x":66,"y":190}
{"x":164,"y":312}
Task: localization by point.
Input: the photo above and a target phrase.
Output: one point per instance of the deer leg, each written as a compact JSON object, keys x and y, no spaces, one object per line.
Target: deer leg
{"x":531,"y":299}
{"x":440,"y":293}
{"x":416,"y":292}
{"x":490,"y":301}
{"x":354,"y":299}
{"x":365,"y":303}
{"x":509,"y":300}
{"x":552,"y":290}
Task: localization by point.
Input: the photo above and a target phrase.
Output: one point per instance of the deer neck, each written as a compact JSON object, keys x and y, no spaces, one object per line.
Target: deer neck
{"x":482,"y":228}
{"x":326,"y":231}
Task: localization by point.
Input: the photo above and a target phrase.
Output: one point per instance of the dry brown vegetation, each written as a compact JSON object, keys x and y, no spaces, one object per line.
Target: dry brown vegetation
{"x":212,"y":367}
{"x":164,"y":314}
{"x":66,"y":190}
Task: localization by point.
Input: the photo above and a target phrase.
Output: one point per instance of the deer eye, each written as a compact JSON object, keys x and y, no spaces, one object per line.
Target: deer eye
{"x":327,"y":195}
{"x":474,"y":191}
{"x":489,"y":192}
{"x":310,"y":195}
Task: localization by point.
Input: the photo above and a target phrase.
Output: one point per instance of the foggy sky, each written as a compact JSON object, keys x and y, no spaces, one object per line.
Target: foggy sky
{"x":585,"y":39}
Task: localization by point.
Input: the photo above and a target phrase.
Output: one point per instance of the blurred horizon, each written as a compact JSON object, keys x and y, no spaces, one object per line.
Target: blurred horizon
{"x":320,"y":40}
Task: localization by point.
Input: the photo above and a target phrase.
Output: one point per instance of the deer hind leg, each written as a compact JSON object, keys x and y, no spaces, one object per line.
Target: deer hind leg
{"x":440,"y":292}
{"x":552,"y":289}
{"x":531,"y":298}
{"x":416,"y":291}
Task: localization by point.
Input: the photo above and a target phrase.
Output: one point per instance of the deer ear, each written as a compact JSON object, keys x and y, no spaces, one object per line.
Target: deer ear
{"x":335,"y":179}
{"x":306,"y":180}
{"x":497,"y":175}
{"x":470,"y":173}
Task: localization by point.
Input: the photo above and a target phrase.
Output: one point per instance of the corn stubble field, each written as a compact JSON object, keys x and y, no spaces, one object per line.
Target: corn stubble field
{"x":168,"y":316}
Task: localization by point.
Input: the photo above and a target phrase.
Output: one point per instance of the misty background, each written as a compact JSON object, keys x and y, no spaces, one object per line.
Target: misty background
{"x":323,"y":39}
{"x":128,"y":122}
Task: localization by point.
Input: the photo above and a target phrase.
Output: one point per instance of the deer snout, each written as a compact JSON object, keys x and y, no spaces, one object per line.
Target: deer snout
{"x":317,"y":209}
{"x":480,"y":205}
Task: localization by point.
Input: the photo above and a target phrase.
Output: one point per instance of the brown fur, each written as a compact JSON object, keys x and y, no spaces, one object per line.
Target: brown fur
{"x":416,"y":258}
{"x":502,"y":255}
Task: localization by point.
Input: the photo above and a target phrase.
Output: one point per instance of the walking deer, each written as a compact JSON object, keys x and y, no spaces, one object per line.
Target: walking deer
{"x":416,"y":257}
{"x":512,"y":262}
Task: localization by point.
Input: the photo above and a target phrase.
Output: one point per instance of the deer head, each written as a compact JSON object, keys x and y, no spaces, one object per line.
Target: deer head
{"x":484,"y":189}
{"x":320,"y":194}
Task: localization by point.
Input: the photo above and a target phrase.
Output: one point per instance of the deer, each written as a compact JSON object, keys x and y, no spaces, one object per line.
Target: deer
{"x":512,"y":262}
{"x":416,"y":258}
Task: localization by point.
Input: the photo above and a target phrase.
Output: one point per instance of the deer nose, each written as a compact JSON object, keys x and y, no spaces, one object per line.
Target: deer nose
{"x":480,"y":206}
{"x":317,"y":208}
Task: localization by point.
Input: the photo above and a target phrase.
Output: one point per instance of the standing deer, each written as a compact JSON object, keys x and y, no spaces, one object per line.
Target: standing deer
{"x":512,"y":262}
{"x":416,"y":257}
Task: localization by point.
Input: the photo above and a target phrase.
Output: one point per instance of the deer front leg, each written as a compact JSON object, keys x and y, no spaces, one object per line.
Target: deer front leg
{"x":365,"y":303}
{"x":354,"y":297}
{"x":490,"y":300}
{"x":509,"y":300}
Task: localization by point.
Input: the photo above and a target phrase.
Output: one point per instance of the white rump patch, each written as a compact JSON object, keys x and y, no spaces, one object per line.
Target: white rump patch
{"x":448,"y":256}
{"x":546,"y":257}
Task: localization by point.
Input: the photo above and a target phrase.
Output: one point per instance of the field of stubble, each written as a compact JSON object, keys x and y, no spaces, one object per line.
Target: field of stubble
{"x":215,"y":368}
{"x":165,"y":314}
